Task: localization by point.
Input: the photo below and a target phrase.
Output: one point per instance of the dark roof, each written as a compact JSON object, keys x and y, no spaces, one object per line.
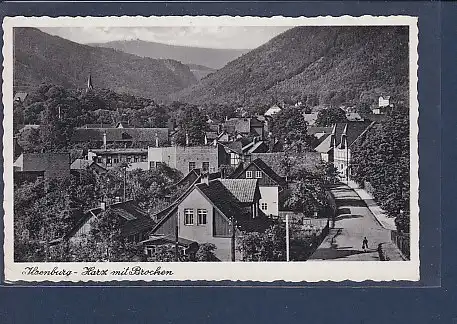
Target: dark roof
{"x":120,"y":134}
{"x":225,"y":202}
{"x":44,"y":161}
{"x":136,"y":219}
{"x":211,"y":135}
{"x":318,"y":129}
{"x":374,"y":117}
{"x":353,"y":131}
{"x":269,"y":171}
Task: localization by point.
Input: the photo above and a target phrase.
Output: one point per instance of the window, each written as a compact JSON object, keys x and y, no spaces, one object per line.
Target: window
{"x":188,"y":216}
{"x":116,"y":160}
{"x":129,"y":159}
{"x":258,"y":174}
{"x":135,"y":159}
{"x":201,"y":216}
{"x":143,"y":158}
{"x":264,"y":206}
{"x":205,"y":166}
{"x":152,"y":165}
{"x":108,"y":160}
{"x":191,"y":166}
{"x":248,"y":174}
{"x":150,"y":251}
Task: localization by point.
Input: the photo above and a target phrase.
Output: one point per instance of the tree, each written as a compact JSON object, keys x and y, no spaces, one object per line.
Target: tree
{"x":192,"y":125}
{"x":330,"y":116}
{"x":290,"y":126}
{"x":205,"y":252}
{"x":381,"y":158}
{"x":267,"y":246}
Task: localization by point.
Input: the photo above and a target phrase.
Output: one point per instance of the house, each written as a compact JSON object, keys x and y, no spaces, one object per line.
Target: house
{"x":135,"y":222}
{"x":187,"y":158}
{"x":325,"y":149}
{"x":270,"y":184}
{"x":83,"y":164}
{"x":343,"y":137}
{"x":245,"y":126}
{"x":310,"y":118}
{"x":384,"y":104}
{"x":354,"y":116}
{"x":29,"y":166}
{"x":273,"y":110}
{"x":20,"y":96}
{"x":111,"y":158}
{"x":255,"y":147}
{"x":216,"y":211}
{"x":122,"y":136}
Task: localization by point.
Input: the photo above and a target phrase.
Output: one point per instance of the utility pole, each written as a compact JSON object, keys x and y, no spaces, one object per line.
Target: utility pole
{"x":287,"y":238}
{"x":125,"y":181}
{"x":177,"y":237}
{"x":233,"y":239}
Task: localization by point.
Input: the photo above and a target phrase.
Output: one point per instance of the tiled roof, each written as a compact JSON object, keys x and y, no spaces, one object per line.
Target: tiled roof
{"x":120,"y":134}
{"x":243,"y":189}
{"x":45,"y":161}
{"x":119,"y":151}
{"x":80,"y":164}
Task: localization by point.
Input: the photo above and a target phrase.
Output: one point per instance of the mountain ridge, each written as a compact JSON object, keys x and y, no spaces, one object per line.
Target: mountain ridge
{"x":213,"y":58}
{"x":43,"y":58}
{"x":317,"y":65}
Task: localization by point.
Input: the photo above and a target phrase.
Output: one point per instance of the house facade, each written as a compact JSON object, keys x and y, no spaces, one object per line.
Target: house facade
{"x":270,"y":184}
{"x":187,"y":158}
{"x":343,"y":137}
{"x":211,"y":213}
{"x":111,"y":158}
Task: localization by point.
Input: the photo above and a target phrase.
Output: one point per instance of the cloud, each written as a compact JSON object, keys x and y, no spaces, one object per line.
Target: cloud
{"x":236,"y":37}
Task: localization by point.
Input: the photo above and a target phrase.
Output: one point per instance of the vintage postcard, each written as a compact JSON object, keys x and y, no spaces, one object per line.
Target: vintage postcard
{"x":210,"y":148}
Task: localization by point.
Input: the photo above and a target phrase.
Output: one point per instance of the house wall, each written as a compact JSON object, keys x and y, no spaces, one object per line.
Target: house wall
{"x":179,"y":157}
{"x":205,"y":233}
{"x":341,"y":159}
{"x":270,"y":196}
{"x":114,"y":159}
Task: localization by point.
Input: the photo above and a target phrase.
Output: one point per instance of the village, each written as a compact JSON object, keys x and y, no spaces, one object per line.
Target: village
{"x":237,"y":194}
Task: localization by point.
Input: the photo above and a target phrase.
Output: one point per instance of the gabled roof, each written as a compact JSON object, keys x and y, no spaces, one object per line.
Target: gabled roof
{"x":268,"y":171}
{"x":43,"y":161}
{"x":262,"y":166}
{"x":222,"y":198}
{"x":20,"y":96}
{"x":353,"y":131}
{"x":136,"y":219}
{"x":244,"y":190}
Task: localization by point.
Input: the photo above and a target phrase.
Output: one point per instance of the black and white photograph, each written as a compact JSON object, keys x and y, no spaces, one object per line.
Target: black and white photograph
{"x":274,"y":145}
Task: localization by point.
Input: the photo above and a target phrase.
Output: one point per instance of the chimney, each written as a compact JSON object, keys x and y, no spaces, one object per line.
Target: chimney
{"x":104,"y":140}
{"x":103,"y":205}
{"x":254,"y":140}
{"x":204,"y":178}
{"x":187,"y":139}
{"x":157,"y":140}
{"x":206,"y":140}
{"x":226,"y":118}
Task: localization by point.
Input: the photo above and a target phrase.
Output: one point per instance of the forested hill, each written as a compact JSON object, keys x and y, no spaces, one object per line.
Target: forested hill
{"x":42,"y":58}
{"x":211,"y":57}
{"x":315,"y":65}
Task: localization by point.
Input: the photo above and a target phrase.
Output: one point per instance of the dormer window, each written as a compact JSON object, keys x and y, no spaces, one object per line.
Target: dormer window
{"x":248,"y":174}
{"x":258,"y":174}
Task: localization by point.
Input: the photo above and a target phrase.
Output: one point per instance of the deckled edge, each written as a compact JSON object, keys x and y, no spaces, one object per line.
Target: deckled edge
{"x":346,"y":20}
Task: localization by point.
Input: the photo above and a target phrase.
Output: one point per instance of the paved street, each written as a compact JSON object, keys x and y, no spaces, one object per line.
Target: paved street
{"x":353,"y":221}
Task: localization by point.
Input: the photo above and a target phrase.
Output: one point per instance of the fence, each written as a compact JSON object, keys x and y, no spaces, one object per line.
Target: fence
{"x":401,"y":240}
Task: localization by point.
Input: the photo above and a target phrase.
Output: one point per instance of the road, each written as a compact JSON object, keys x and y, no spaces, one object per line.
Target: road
{"x":353,"y":221}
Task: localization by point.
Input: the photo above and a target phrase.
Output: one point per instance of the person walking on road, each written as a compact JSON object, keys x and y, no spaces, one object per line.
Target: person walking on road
{"x":365,"y":244}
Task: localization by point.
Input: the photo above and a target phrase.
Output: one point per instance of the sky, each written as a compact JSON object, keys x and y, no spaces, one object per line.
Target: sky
{"x":230,"y":37}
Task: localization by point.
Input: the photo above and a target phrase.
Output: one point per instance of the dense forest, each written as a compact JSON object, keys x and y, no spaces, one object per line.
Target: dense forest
{"x":42,"y":58}
{"x":327,"y":66}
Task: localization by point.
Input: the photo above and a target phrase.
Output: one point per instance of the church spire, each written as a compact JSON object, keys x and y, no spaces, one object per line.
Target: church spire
{"x":89,"y":83}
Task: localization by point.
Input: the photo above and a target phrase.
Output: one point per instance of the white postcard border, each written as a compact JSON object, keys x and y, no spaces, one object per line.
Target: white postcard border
{"x":314,"y":271}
